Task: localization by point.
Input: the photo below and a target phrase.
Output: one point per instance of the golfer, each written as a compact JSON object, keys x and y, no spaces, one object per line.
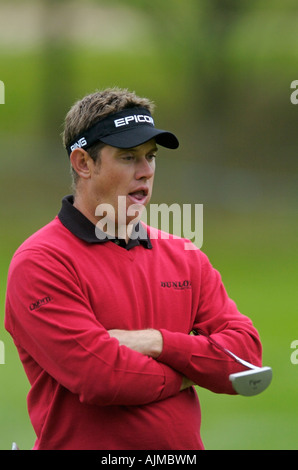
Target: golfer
{"x":102,"y":313}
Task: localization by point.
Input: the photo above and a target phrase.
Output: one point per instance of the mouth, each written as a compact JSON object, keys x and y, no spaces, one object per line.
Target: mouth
{"x":139,"y":195}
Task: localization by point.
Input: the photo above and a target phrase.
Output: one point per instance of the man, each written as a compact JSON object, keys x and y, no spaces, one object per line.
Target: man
{"x":102,"y":316}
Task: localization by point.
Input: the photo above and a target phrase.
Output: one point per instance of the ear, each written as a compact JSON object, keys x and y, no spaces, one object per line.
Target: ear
{"x":81,"y":162}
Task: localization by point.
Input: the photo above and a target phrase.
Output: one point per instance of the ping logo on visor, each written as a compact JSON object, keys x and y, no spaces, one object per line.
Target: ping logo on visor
{"x":80,"y":143}
{"x":126,"y":129}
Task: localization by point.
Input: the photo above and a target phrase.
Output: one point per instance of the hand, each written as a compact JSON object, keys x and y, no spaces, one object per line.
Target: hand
{"x":186,"y":383}
{"x":148,"y":342}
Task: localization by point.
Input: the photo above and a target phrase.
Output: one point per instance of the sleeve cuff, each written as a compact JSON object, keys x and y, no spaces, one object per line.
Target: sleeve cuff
{"x":177,"y":350}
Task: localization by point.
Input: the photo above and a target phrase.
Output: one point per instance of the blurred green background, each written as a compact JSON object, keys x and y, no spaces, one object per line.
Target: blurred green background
{"x":220,"y":73}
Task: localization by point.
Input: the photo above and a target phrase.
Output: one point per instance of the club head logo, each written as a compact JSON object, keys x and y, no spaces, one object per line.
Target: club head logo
{"x":254,"y":384}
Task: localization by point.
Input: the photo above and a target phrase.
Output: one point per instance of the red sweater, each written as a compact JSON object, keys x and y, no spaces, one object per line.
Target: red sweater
{"x":65,"y":291}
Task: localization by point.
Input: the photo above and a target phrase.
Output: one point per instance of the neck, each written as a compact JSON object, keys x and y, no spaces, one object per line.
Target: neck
{"x":86,"y":209}
{"x":107,"y":225}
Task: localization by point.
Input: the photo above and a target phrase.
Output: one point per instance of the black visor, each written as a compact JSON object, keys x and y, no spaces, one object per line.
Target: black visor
{"x":126,"y":129}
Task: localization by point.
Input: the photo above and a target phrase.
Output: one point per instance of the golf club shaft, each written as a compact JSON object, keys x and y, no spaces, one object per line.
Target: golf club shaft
{"x":241,"y":361}
{"x":226,"y":351}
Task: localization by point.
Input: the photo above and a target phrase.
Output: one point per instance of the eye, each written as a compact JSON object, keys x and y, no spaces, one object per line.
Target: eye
{"x":127,"y":158}
{"x":151,"y":157}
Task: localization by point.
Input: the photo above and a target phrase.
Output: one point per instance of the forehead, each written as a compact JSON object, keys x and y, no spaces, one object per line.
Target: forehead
{"x":149,"y":146}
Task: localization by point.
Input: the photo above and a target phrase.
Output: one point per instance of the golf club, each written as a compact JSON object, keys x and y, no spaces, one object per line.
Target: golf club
{"x":247,"y":383}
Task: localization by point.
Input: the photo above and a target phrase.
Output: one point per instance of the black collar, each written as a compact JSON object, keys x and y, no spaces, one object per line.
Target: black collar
{"x":84,"y":229}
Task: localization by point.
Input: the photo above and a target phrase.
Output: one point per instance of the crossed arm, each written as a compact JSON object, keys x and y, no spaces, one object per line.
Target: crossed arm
{"x":147,"y":342}
{"x":158,"y":361}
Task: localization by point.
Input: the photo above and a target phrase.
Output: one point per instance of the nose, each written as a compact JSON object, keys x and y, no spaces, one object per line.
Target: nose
{"x":144,"y":169}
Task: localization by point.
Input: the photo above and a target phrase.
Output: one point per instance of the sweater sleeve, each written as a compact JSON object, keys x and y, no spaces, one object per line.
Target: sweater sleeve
{"x":51,"y":320}
{"x":217,"y":315}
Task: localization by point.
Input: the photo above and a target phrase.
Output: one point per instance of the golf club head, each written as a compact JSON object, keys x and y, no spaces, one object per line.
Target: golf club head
{"x":251,"y":382}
